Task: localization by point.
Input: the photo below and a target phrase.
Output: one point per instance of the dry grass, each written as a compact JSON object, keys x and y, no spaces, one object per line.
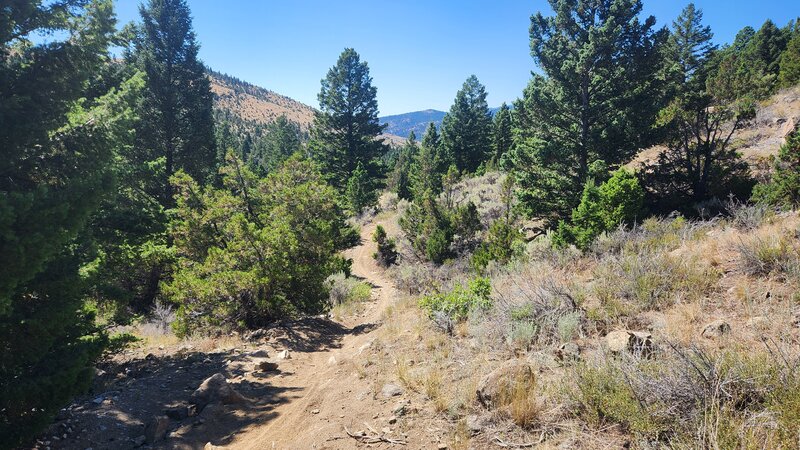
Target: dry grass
{"x":669,"y":277}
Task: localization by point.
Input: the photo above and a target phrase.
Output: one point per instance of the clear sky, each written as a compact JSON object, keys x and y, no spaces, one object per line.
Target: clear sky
{"x":419,"y":51}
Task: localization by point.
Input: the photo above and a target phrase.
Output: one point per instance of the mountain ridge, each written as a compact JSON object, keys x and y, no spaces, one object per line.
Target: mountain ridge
{"x":256,"y":105}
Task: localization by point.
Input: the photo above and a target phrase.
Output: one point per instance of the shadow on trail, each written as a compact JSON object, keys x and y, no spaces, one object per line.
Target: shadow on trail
{"x":131,"y":394}
{"x":313,"y":334}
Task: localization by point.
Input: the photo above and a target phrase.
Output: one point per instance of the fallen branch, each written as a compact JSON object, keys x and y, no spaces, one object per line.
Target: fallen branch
{"x":504,"y":444}
{"x":373,"y":439}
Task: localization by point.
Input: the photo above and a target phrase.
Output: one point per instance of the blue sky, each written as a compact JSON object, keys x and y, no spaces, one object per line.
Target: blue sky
{"x":419,"y":52}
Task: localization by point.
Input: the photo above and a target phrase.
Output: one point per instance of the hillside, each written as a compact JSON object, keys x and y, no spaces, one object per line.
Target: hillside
{"x":256,"y":105}
{"x":776,"y":117}
{"x":417,"y":121}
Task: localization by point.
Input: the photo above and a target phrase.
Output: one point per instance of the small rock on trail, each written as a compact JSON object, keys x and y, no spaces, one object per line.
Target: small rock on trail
{"x":213,"y":389}
{"x":391,"y":390}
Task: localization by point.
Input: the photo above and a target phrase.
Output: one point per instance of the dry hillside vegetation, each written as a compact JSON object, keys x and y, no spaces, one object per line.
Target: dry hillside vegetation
{"x":775,"y":119}
{"x":259,"y":105}
{"x":678,"y":333}
{"x":262,"y":106}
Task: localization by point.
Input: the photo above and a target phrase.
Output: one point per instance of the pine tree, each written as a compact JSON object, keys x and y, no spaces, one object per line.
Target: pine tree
{"x":467,"y":128}
{"x":346,"y":130}
{"x":769,"y":43}
{"x":177,"y":109}
{"x":596,"y":99}
{"x":283,"y":138}
{"x":790,"y":60}
{"x":750,"y":67}
{"x":426,"y":173}
{"x":431,"y":137}
{"x":57,"y":140}
{"x":688,"y":49}
{"x":698,"y":163}
{"x":359,"y":193}
{"x":401,"y":176}
{"x":502,"y":133}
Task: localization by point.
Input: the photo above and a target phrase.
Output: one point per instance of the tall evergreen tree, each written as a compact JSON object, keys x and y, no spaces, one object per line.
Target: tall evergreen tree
{"x":177,"y":109}
{"x":56,"y":139}
{"x":790,"y":59}
{"x":431,"y":137}
{"x":428,"y":166}
{"x":502,"y":133}
{"x":595,"y":100}
{"x":769,"y":43}
{"x":750,"y":67}
{"x":346,"y":129}
{"x":283,"y":138}
{"x":467,"y":127}
{"x":400,"y":178}
{"x":358,"y":193}
{"x":690,"y":44}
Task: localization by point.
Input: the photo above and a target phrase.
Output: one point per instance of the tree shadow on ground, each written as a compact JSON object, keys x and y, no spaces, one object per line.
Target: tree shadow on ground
{"x":313,"y":334}
{"x":131,"y":394}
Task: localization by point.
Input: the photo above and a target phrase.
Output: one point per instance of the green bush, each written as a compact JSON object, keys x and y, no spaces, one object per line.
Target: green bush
{"x":784,"y":187}
{"x":343,"y":290}
{"x":256,"y":249}
{"x":387,"y":252}
{"x":617,"y":201}
{"x":695,"y":399}
{"x":49,"y":346}
{"x":437,"y":231}
{"x":359,"y":191}
{"x":503,"y":243}
{"x":458,"y":303}
{"x":605,"y":397}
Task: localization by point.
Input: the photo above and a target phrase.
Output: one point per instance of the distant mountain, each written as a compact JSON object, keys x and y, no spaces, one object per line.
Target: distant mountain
{"x":402,"y":124}
{"x":250,"y":105}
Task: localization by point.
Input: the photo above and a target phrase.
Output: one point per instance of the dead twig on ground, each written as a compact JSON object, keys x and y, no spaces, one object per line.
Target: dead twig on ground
{"x":499,"y":442}
{"x":373,"y":439}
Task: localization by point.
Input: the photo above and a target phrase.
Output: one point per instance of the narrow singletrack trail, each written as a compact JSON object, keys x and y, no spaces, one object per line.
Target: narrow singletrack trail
{"x":325,"y":392}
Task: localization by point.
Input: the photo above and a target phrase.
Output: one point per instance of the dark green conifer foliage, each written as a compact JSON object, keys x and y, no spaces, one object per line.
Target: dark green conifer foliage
{"x":467,"y":128}
{"x":283,"y":138}
{"x":401,"y":176}
{"x":255,"y":249}
{"x":784,"y":187}
{"x":617,"y":201}
{"x":428,"y":166}
{"x":177,"y":108}
{"x":346,"y":129}
{"x":359,"y":192}
{"x":431,"y":137}
{"x":689,"y":46}
{"x":502,"y":133}
{"x":56,"y":153}
{"x":387,"y":252}
{"x":596,"y":98}
{"x":750,"y":67}
{"x":790,"y":59}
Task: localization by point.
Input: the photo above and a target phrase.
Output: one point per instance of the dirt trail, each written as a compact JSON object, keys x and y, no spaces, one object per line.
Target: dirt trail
{"x":328,"y":393}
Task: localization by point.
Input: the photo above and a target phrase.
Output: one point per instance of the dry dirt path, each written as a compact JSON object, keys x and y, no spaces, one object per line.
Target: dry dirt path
{"x":327,"y":392}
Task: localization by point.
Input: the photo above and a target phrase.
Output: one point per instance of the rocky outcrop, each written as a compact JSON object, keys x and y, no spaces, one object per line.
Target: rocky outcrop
{"x":716,"y":329}
{"x":636,"y":343}
{"x":502,"y":381}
